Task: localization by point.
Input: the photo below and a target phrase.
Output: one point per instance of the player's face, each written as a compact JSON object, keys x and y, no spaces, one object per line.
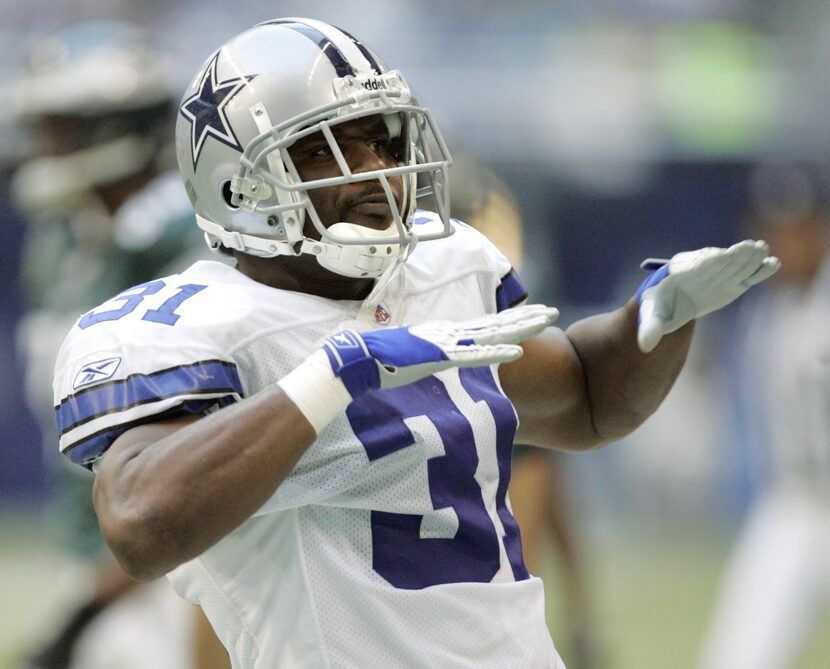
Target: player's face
{"x":801,"y":242}
{"x":366,"y":146}
{"x":58,"y":135}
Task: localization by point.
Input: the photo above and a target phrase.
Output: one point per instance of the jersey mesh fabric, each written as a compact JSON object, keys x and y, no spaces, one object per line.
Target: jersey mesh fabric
{"x":302,"y":583}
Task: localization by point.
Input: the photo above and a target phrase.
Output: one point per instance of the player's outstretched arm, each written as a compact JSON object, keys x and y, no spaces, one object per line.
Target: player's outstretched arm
{"x":167,"y":491}
{"x":603,"y":377}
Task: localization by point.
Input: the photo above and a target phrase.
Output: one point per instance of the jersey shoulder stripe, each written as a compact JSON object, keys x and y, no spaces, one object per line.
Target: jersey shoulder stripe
{"x":148,"y":353}
{"x":466,"y":251}
{"x":511,"y":291}
{"x":86,"y":451}
{"x":202,"y":378}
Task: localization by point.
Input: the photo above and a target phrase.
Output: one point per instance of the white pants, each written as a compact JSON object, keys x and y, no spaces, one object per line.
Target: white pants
{"x":150,"y":627}
{"x":776,"y":582}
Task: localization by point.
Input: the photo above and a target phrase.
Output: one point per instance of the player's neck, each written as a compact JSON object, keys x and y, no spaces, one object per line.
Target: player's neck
{"x":302,"y":274}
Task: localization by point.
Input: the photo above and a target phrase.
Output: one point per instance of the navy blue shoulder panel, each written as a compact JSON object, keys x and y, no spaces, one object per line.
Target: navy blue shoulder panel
{"x":511,"y":291}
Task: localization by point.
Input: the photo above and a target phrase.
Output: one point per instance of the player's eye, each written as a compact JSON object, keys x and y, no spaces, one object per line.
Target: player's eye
{"x":386,"y":146}
{"x":322,"y":151}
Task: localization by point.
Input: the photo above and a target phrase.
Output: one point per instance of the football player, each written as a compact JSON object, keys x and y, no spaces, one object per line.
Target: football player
{"x":105,"y":209}
{"x":775,"y":585}
{"x":314,"y":445}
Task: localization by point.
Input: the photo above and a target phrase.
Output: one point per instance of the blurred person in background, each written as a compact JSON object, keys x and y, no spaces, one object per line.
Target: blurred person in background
{"x":538,"y":487}
{"x":777,"y":581}
{"x":105,"y":209}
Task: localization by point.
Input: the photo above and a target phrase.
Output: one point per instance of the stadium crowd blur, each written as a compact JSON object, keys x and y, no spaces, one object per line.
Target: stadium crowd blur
{"x":624,"y":130}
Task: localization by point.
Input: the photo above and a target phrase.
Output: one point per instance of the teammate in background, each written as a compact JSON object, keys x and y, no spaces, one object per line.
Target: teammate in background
{"x":106,"y":210}
{"x":777,"y":581}
{"x":315,"y":445}
{"x":538,"y":488}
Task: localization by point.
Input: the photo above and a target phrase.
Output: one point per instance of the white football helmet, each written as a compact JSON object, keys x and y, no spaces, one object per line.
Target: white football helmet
{"x":98,"y":101}
{"x":263,"y":90}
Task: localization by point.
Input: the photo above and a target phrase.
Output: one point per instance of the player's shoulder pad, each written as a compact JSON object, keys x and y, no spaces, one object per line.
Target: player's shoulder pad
{"x":466,"y":247}
{"x":466,"y":250}
{"x":159,"y":349}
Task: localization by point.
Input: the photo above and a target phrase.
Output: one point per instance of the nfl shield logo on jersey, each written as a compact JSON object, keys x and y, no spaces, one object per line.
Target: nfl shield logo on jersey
{"x":382,"y":315}
{"x":96,"y":371}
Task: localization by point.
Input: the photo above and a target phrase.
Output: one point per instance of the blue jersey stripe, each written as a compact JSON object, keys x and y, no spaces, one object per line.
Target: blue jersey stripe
{"x":366,"y":53}
{"x":341,"y":64}
{"x":86,"y":451}
{"x":511,"y":291}
{"x":208,"y":376}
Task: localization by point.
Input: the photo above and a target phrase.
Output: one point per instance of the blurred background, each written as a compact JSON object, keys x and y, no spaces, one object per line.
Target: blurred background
{"x":618,"y":131}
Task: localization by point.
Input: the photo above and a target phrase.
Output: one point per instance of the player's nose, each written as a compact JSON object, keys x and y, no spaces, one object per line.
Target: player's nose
{"x":366,"y":157}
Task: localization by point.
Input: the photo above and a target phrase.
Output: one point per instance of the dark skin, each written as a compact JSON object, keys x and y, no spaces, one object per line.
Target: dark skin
{"x":58,"y":136}
{"x":366,"y":146}
{"x":168,"y":491}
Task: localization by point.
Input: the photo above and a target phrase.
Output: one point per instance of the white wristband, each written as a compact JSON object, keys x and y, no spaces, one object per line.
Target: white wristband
{"x":316,"y":391}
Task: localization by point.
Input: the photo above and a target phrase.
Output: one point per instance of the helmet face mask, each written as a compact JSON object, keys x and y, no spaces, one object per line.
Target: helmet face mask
{"x":240,"y":119}
{"x":96,"y":101}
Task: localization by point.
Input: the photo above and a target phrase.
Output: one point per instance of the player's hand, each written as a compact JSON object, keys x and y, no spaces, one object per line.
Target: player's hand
{"x":695,"y":283}
{"x":351,"y":363}
{"x":398,"y":356}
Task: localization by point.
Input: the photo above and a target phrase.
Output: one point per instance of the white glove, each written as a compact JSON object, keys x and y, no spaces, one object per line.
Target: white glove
{"x":695,"y":283}
{"x":352,"y":363}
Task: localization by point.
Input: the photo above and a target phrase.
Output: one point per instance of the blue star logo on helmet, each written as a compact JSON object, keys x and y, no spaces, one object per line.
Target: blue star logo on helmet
{"x":205,"y":109}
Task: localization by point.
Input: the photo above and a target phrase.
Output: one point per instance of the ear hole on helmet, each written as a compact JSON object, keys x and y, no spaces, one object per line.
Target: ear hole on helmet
{"x":227,"y":195}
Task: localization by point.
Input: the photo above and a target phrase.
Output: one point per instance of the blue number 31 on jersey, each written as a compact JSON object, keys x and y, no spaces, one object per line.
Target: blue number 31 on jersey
{"x":132,"y":297}
{"x":400,"y":552}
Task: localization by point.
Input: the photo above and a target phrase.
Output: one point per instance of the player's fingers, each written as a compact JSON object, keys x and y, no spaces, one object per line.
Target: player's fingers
{"x":528,"y":311}
{"x":703,"y":265}
{"x":509,"y":316}
{"x":507,"y":327}
{"x":769,"y":266}
{"x":515,"y":332}
{"x":517,"y":316}
{"x":733,"y":259}
{"x":743,"y":248}
{"x":478,"y":356}
{"x":754,"y":256}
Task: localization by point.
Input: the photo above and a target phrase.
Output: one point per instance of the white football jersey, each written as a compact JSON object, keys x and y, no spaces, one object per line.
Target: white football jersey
{"x":785,"y":380}
{"x":391,"y":543}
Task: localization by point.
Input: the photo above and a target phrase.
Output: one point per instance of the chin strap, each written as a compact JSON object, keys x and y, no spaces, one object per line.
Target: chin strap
{"x":369,"y":306}
{"x":217,"y":236}
{"x":369,"y":260}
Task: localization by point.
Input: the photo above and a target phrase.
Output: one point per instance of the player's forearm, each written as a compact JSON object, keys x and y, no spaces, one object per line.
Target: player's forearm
{"x":164,"y":494}
{"x":625,"y":386}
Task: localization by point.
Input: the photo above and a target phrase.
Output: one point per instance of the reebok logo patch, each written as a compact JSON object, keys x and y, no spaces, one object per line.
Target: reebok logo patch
{"x":96,"y":371}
